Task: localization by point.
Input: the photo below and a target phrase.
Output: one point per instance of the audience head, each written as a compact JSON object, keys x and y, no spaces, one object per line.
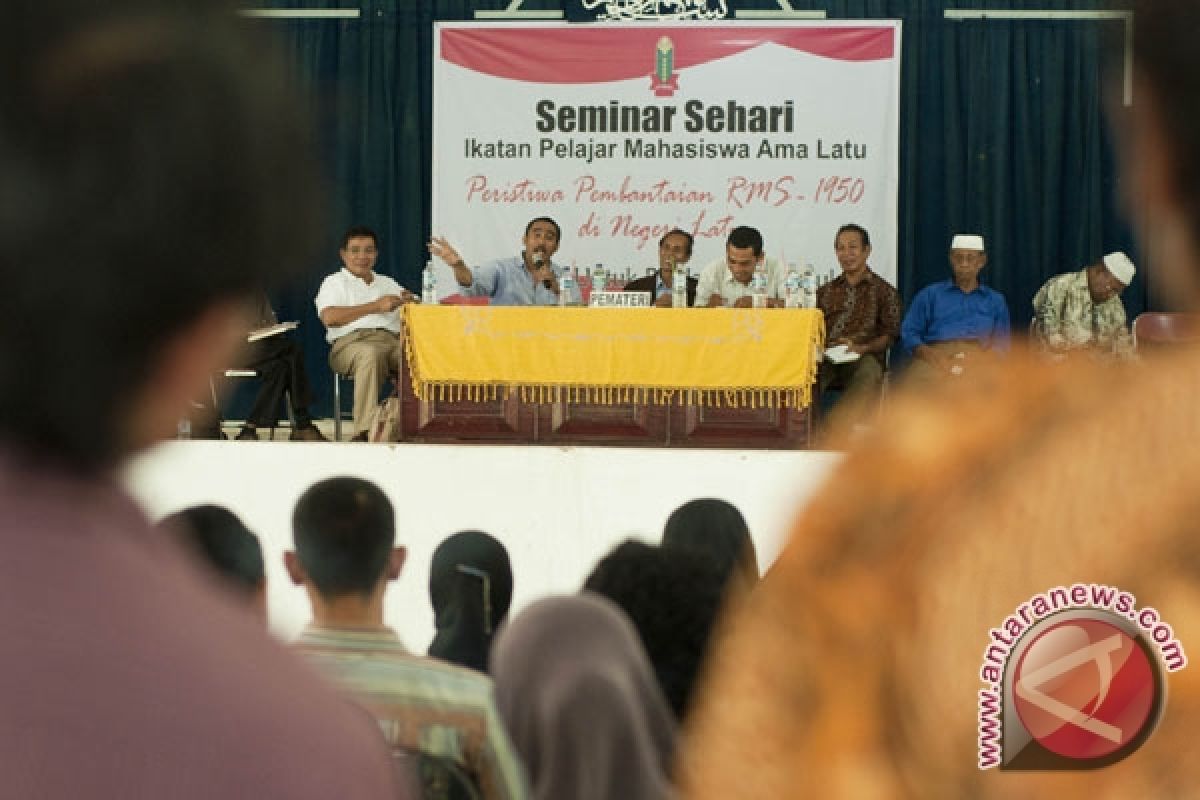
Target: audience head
{"x":743,"y":252}
{"x":716,"y":529}
{"x":580,"y":701}
{"x":155,"y":171}
{"x":672,"y":598}
{"x":344,"y":532}
{"x":470,"y":587}
{"x":225,"y":545}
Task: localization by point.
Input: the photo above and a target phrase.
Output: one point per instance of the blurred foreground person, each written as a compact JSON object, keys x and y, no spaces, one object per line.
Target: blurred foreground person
{"x":470,"y":587}
{"x":581,"y":702}
{"x":223,"y":543}
{"x":856,"y":668}
{"x":153,"y":174}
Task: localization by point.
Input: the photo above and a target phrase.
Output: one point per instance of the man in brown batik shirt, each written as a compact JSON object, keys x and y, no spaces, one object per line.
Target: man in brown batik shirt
{"x":862,"y":314}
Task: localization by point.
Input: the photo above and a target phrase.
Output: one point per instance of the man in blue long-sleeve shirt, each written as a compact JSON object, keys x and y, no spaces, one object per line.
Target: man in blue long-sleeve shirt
{"x":952,"y":322}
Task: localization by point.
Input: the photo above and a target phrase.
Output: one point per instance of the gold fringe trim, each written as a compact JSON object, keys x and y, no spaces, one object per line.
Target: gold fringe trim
{"x":733,"y":397}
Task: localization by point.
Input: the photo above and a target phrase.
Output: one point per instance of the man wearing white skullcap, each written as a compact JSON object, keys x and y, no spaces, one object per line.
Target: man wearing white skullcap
{"x":1083,"y":311}
{"x":953,"y":322}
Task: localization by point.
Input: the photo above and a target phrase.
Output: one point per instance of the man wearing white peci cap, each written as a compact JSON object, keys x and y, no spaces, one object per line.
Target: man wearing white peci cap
{"x":954,"y":322}
{"x":1082,"y":311}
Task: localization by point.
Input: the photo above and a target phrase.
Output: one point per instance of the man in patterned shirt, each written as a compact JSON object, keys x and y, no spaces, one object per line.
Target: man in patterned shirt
{"x":862,"y":312}
{"x":440,"y":718}
{"x":1082,"y":311}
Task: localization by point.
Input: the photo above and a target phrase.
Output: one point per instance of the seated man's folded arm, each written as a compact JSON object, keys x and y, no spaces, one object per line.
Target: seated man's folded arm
{"x":336,"y":316}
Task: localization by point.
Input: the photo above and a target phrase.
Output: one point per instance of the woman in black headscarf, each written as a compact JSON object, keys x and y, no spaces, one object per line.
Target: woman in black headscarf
{"x":470,"y":586}
{"x":716,"y":530}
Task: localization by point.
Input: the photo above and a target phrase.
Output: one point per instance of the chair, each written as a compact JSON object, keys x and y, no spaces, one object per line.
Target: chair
{"x":337,"y":403}
{"x":338,"y":410}
{"x":231,"y":374}
{"x":1161,"y":329}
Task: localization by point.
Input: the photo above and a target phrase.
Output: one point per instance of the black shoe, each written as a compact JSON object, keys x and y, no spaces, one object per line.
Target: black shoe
{"x":307,"y":434}
{"x":361,"y":436}
{"x":247,"y":435}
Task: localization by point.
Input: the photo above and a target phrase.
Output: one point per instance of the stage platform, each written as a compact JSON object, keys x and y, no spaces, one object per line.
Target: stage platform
{"x":557,"y":509}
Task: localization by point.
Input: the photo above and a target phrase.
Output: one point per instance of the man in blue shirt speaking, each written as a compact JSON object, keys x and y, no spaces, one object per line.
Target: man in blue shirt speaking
{"x":954,"y":322}
{"x":528,"y":279}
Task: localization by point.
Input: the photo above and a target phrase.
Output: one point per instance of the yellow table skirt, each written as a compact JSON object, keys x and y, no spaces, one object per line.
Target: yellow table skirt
{"x":715,"y":356}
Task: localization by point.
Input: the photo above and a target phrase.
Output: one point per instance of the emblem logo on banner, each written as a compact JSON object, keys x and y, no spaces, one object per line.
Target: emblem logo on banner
{"x":664,"y":81}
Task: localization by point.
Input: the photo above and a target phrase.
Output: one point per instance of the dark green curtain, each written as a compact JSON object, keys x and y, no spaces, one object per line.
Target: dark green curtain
{"x":1002,"y":133}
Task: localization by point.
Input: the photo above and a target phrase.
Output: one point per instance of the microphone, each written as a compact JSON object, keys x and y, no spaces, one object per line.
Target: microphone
{"x":539,"y":261}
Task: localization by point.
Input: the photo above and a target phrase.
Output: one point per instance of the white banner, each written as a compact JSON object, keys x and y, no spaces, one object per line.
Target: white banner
{"x":621,"y":132}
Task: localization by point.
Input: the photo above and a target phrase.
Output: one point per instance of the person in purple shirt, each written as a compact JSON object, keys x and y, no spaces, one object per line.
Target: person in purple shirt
{"x":155,"y":172}
{"x":955,"y":322}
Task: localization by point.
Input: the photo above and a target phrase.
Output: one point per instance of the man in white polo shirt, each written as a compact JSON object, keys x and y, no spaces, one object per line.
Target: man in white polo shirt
{"x":729,"y":281}
{"x":360,"y":309}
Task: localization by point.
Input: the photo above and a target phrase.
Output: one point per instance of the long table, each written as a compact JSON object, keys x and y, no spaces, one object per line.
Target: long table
{"x":655,"y":377}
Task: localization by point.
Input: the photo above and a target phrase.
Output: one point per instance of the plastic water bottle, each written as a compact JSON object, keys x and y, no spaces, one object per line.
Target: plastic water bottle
{"x":568,"y":293}
{"x":184,"y":429}
{"x":679,"y":285}
{"x":599,"y":279}
{"x":793,"y":288}
{"x":808,"y":285}
{"x":758,"y":286}
{"x":428,"y":285}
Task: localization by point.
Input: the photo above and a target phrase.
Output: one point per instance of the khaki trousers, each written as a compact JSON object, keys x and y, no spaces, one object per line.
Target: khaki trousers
{"x":367,"y":356}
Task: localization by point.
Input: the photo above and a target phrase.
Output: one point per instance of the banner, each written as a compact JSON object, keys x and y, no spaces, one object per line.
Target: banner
{"x":622,"y":132}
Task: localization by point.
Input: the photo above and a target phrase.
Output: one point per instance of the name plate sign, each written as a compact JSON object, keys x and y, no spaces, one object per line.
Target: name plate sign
{"x":619,"y":300}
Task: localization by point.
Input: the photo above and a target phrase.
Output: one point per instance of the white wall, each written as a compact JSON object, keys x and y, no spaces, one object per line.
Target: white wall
{"x":557,"y":509}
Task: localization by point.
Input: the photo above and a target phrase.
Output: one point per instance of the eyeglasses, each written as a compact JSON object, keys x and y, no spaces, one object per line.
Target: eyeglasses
{"x":487,"y":592}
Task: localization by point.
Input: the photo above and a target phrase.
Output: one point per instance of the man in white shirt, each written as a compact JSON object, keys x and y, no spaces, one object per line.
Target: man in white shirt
{"x":360,"y":309}
{"x":729,"y":281}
